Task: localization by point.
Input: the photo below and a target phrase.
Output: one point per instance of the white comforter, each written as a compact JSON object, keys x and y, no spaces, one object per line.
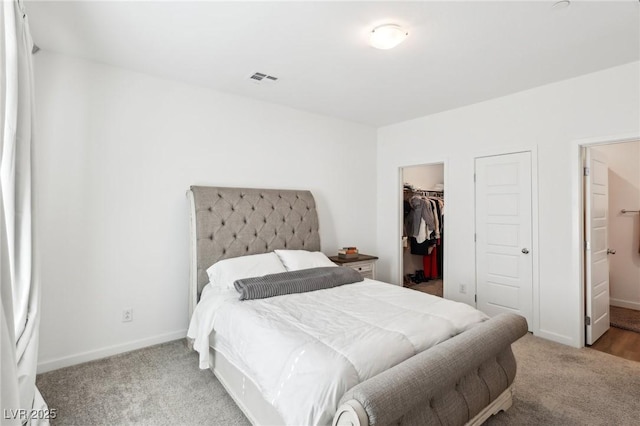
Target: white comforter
{"x":304,"y":351}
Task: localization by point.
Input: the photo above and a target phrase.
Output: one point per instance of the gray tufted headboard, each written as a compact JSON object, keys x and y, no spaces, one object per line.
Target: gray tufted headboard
{"x":232,"y":222}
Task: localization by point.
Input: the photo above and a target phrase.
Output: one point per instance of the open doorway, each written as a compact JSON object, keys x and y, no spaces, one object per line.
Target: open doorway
{"x":612,"y":250}
{"x":423,"y":206}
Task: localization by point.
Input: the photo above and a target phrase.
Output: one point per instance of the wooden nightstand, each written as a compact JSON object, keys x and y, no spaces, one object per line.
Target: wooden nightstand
{"x":364,"y":264}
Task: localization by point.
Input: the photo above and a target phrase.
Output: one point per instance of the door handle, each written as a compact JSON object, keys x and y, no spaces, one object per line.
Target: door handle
{"x":525,"y":251}
{"x":609,"y":251}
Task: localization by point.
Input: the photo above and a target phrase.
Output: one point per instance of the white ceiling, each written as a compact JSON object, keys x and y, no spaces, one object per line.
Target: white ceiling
{"x":457,"y":53}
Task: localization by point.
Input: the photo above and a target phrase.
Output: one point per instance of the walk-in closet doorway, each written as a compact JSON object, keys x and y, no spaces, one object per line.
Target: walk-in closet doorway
{"x":611,"y":252}
{"x":423,"y":236}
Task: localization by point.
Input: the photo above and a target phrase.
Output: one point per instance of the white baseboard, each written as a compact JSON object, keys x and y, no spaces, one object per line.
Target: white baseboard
{"x":67,"y":361}
{"x":558,"y":338}
{"x":624,"y":304}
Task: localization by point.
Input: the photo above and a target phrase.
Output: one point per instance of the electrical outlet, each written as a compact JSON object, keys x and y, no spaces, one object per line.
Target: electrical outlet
{"x":127,"y":314}
{"x":463,"y":288}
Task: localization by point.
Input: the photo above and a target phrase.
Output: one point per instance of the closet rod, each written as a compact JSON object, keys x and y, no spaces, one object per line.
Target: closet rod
{"x":416,"y":191}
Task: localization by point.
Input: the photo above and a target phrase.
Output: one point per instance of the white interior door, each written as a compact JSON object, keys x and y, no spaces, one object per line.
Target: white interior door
{"x":504,"y":265}
{"x":596,"y":236}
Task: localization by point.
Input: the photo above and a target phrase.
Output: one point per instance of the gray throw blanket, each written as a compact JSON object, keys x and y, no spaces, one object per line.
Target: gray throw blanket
{"x":295,"y":282}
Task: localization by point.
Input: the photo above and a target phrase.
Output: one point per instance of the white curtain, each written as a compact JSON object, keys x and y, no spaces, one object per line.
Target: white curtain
{"x":21,"y":403}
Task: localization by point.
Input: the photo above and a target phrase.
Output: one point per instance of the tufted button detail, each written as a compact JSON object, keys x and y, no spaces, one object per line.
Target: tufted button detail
{"x":222,"y":223}
{"x":261,"y":195}
{"x":285,"y":244}
{"x":224,"y":251}
{"x":265,"y":220}
{"x":211,"y":237}
{"x":210,"y":209}
{"x":253,"y":208}
{"x":431,"y":403}
{"x":219,"y":195}
{"x":241,"y":195}
{"x":234,"y":236}
{"x":233,"y":209}
{"x":255,"y":234}
{"x":245,"y":220}
{"x":290,"y":207}
{"x":247,"y":248}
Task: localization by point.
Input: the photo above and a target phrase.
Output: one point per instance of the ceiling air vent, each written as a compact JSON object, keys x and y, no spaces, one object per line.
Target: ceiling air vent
{"x":260,"y":78}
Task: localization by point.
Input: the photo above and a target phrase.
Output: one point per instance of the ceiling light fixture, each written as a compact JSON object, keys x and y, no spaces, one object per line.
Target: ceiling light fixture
{"x":387,"y":36}
{"x":562,"y":4}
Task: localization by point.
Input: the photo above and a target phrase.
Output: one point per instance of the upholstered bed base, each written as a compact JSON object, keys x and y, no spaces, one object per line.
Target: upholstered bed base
{"x":462,"y":381}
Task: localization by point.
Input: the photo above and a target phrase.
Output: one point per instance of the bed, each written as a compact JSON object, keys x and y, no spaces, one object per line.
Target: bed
{"x":380,"y":369}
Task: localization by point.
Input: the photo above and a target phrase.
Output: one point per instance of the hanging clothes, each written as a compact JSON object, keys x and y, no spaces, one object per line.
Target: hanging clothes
{"x":420,"y":249}
{"x":421,"y":210}
{"x":440,"y":247}
{"x":430,"y":265}
{"x":424,"y":227}
{"x":436,"y":217}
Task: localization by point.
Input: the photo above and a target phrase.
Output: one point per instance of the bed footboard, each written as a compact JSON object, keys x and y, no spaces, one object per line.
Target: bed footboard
{"x":452,"y":383}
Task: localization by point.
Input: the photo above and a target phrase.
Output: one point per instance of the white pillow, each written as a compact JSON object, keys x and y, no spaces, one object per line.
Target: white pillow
{"x":225,"y":272}
{"x":294,"y":260}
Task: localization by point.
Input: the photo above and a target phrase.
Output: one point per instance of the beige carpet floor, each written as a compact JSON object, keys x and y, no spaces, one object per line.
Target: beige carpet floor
{"x":560,"y":385}
{"x":161,"y":385}
{"x":433,"y":287}
{"x":626,"y":319}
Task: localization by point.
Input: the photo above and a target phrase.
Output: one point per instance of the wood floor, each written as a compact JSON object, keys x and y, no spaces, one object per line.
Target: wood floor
{"x":619,"y":342}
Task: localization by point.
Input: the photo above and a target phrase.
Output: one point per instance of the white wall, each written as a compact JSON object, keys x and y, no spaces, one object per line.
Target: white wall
{"x":425,"y":176}
{"x":114,"y":155}
{"x":624,"y":229}
{"x":547,"y":120}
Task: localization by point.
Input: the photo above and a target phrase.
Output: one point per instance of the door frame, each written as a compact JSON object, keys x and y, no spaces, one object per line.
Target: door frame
{"x":400,"y":248}
{"x":577,"y":207}
{"x":535,"y":247}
